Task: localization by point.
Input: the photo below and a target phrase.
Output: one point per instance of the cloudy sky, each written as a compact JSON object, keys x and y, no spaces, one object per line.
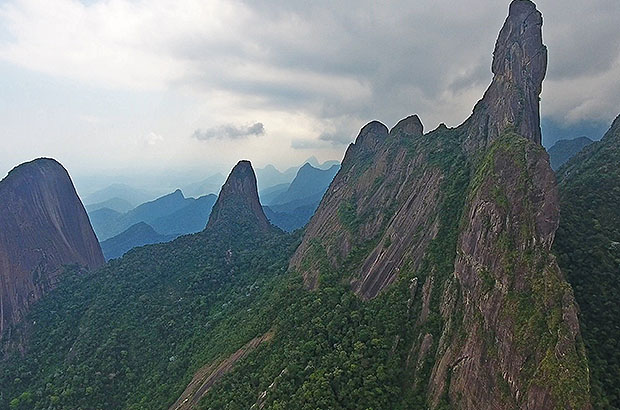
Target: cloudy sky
{"x":187,"y":87}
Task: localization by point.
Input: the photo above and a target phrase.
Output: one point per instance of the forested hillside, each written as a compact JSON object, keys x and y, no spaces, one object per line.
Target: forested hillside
{"x":588,"y":249}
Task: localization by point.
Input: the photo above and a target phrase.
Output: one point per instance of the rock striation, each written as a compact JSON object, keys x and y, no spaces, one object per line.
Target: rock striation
{"x":43,"y":226}
{"x":238,"y":205}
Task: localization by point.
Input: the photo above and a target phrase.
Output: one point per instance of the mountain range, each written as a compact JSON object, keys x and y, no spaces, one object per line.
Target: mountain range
{"x":564,"y":150}
{"x":442,"y":269}
{"x":171,"y":214}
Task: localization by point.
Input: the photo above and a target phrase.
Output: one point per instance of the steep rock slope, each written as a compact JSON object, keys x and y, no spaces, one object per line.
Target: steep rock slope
{"x":469,"y":214}
{"x":43,"y":226}
{"x":238,"y":205}
{"x":588,"y":249}
{"x":564,"y":150}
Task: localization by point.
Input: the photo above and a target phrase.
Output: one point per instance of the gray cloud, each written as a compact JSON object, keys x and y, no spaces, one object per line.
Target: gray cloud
{"x":335,"y":139}
{"x":316,"y":72}
{"x":229,"y":131}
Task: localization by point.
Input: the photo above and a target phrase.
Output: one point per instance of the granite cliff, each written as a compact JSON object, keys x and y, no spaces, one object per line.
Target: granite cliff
{"x":43,"y":226}
{"x":468,"y":215}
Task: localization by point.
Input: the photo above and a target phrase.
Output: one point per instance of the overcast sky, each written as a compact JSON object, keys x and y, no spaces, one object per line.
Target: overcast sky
{"x":145,"y":86}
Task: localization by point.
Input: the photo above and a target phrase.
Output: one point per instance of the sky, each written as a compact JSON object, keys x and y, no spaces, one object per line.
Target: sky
{"x":175,"y":90}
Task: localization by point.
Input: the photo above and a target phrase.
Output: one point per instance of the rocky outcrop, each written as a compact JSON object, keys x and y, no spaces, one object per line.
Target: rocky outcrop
{"x":518,"y":345}
{"x":238,"y":205}
{"x":379,"y":197}
{"x":43,"y":226}
{"x":471,"y":212}
{"x":519,"y":67}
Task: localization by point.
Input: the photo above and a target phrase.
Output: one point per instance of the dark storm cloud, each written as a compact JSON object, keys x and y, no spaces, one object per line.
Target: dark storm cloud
{"x":318,"y":70}
{"x":402,"y":57}
{"x":229,"y":131}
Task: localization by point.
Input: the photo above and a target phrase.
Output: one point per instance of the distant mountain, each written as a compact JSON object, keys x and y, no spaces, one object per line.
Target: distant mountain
{"x":291,"y":218}
{"x":191,"y":218}
{"x":308,"y":183}
{"x":267,"y":195}
{"x":115,"y":204}
{"x":210,"y":185}
{"x":132,"y":195}
{"x":169,"y":214}
{"x":325,"y":165}
{"x":292,"y":208}
{"x":564,"y":150}
{"x":43,"y":226}
{"x":270,"y":176}
{"x":136,"y":235}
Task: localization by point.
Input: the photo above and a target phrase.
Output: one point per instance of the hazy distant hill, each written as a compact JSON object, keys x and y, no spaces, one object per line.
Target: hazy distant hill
{"x":116,"y":204}
{"x":191,"y":218}
{"x":293,"y":207}
{"x":136,"y":235}
{"x":308,"y":183}
{"x":130,"y":194}
{"x":267,"y":195}
{"x":210,"y":185}
{"x":564,"y":150}
{"x":269,"y":176}
{"x":169,"y":214}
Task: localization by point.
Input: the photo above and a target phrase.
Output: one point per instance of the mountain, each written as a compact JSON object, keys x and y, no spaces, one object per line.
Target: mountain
{"x":238,"y":205}
{"x":324,"y":166}
{"x":115,"y":204}
{"x":267,"y":195}
{"x":289,"y":217}
{"x":588,"y":248}
{"x":308,"y":183}
{"x":292,"y":208}
{"x":125,"y":192}
{"x":463,"y":220}
{"x":43,"y":226}
{"x":149,"y":320}
{"x":270,"y":176}
{"x":169,"y":214}
{"x":136,"y":235}
{"x":191,"y":218}
{"x":425,"y":280}
{"x":207,"y":186}
{"x":564,"y":150}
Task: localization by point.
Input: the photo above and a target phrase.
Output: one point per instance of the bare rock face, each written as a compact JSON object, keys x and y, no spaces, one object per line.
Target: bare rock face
{"x":381,"y":194}
{"x":520,"y":347}
{"x":238,"y":205}
{"x":519,"y":67}
{"x":471,"y":212}
{"x":43,"y":226}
